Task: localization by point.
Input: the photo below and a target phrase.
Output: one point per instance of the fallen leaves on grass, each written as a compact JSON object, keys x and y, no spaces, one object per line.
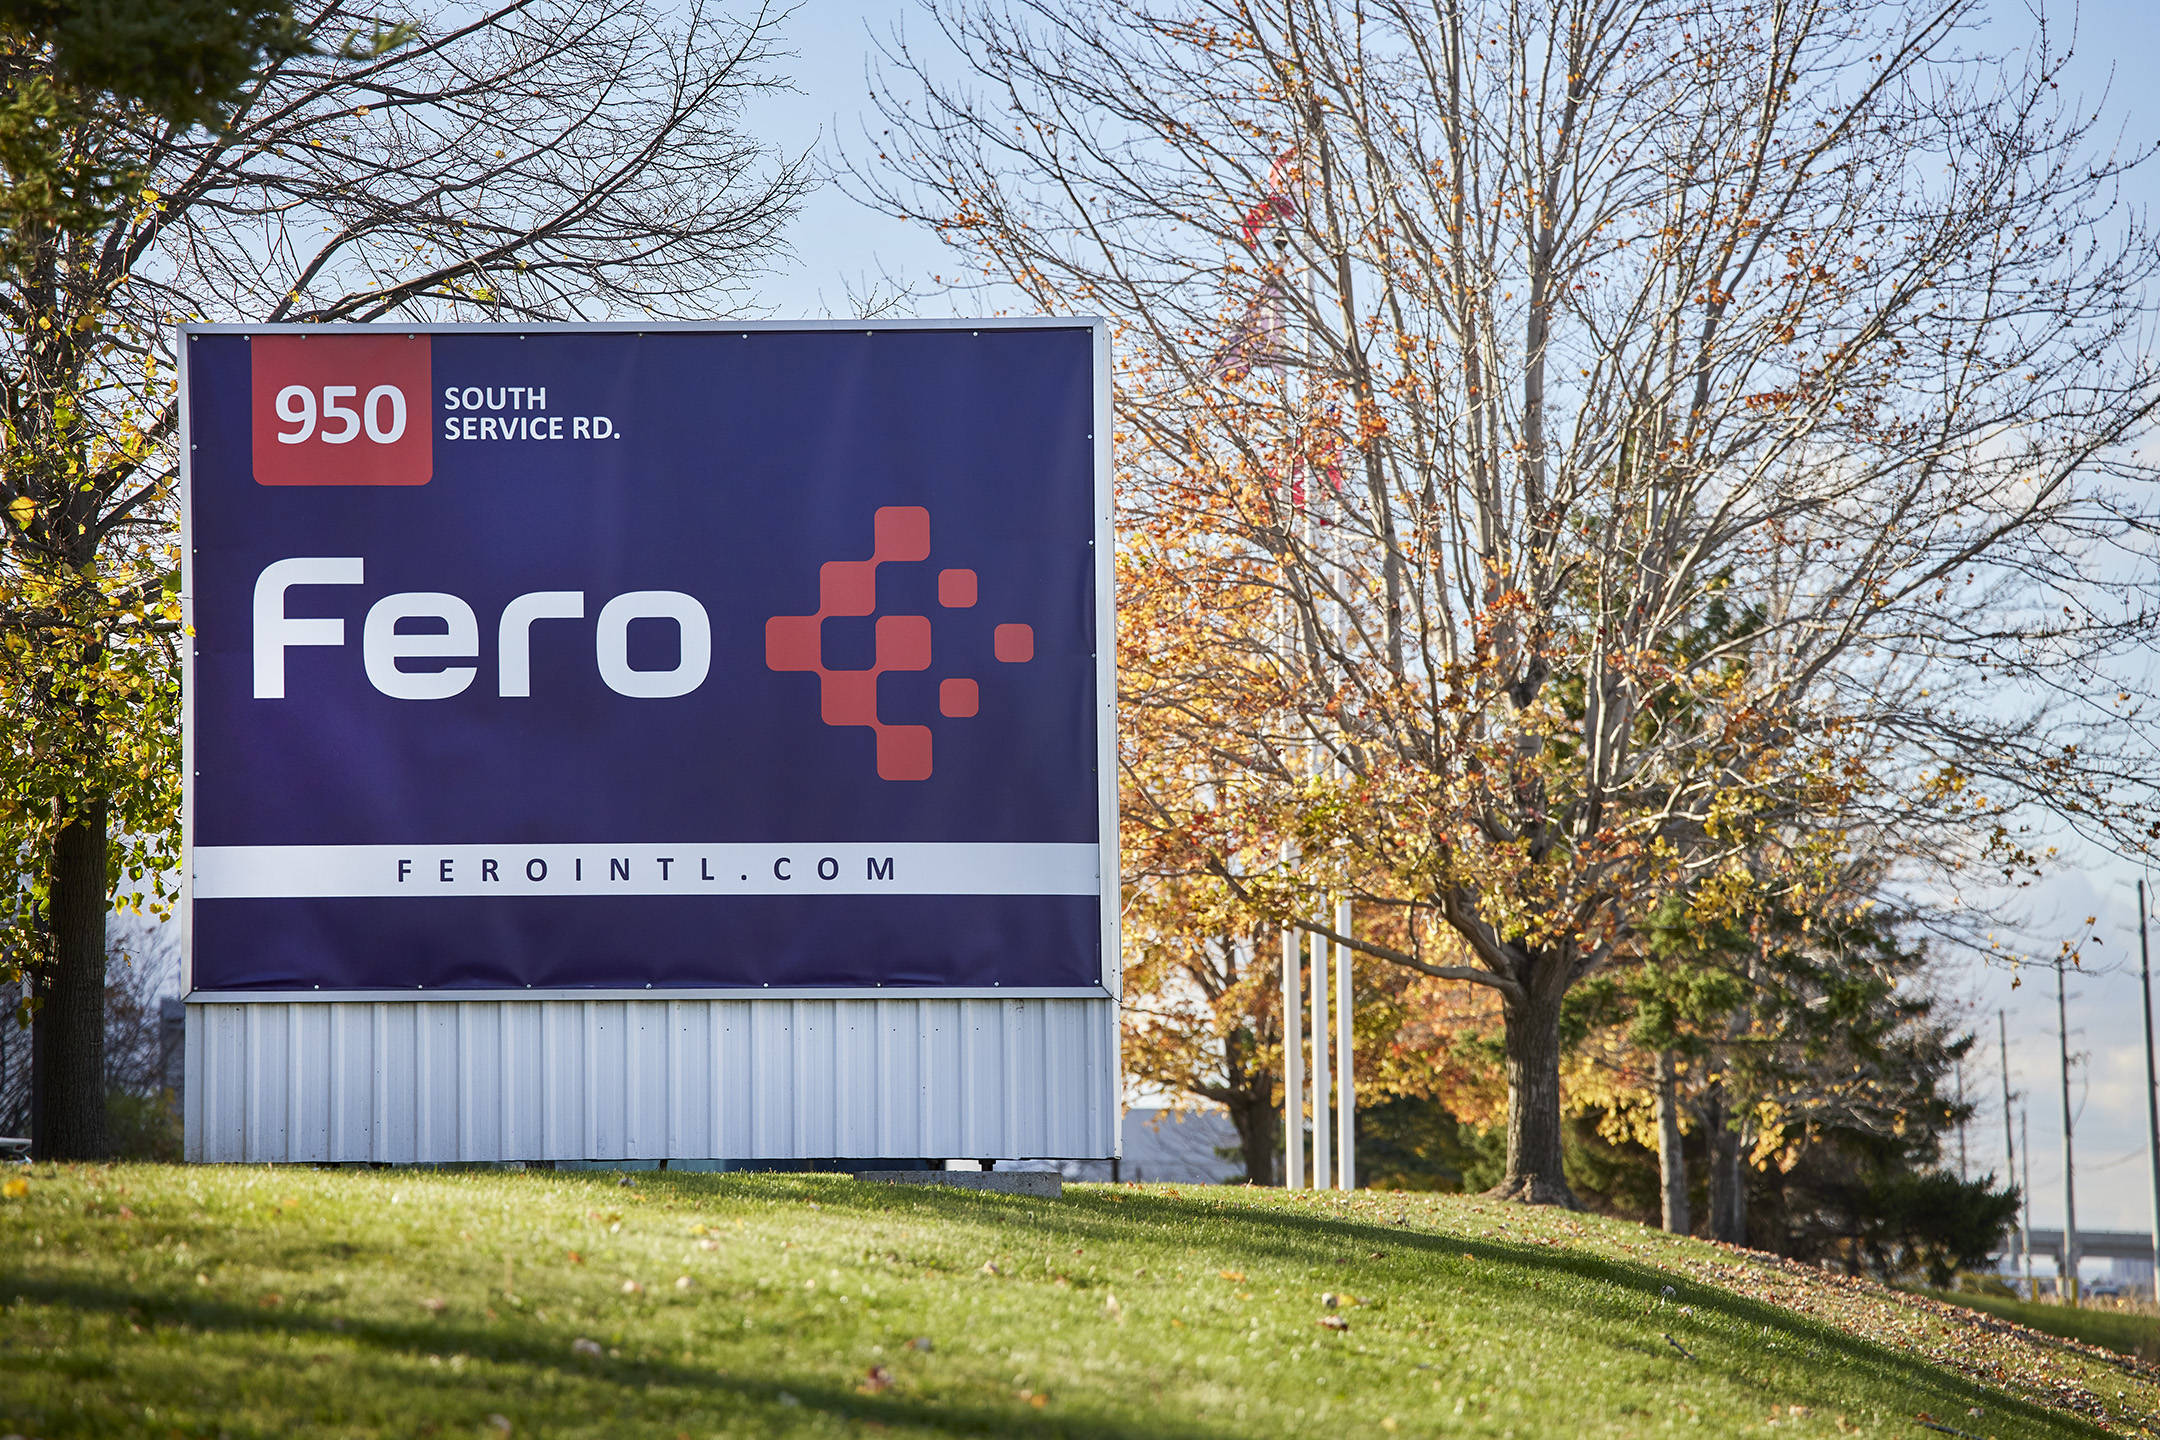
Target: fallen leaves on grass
{"x":1116,"y":1311}
{"x":1995,"y":1352}
{"x":499,"y":1422}
{"x":631,"y":1287}
{"x":920,"y":1342}
{"x":1232,"y":1275}
{"x":271,"y":1301}
{"x":876,"y":1380}
{"x":434,"y":1305}
{"x":588,"y":1348}
{"x":1333,"y":1322}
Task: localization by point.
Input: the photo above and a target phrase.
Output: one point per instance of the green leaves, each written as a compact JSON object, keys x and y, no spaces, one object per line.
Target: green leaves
{"x":183,"y":61}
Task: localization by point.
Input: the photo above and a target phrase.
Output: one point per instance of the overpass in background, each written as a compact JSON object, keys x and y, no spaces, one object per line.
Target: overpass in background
{"x":2092,"y":1245}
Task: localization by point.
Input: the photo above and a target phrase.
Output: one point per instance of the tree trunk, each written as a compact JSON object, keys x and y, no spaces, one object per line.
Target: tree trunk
{"x":1728,"y":1191}
{"x":1255,"y":1119}
{"x":1672,"y":1165}
{"x":1535,"y":1174}
{"x":67,"y":1038}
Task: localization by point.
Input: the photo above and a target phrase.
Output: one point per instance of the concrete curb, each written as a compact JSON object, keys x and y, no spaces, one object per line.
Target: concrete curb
{"x":1046,"y":1184}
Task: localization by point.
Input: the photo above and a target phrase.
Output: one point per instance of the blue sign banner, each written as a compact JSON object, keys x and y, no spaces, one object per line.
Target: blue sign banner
{"x":585,"y":657}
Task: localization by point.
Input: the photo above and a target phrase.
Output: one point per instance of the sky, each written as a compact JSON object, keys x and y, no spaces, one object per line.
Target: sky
{"x":839,"y":247}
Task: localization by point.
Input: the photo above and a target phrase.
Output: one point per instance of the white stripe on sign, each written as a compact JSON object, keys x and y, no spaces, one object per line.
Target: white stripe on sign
{"x":273,"y":872}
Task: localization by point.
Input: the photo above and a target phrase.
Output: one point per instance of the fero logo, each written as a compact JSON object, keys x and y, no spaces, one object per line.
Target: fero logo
{"x":339,"y":409}
{"x":900,"y":534}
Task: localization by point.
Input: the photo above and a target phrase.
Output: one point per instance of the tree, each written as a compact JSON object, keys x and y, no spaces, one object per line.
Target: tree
{"x":1482,"y":346}
{"x":1203,"y":966}
{"x":542,"y":159}
{"x":1792,"y":1026}
{"x":1810,"y":1057}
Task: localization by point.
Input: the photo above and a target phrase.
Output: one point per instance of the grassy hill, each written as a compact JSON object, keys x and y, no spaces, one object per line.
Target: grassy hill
{"x":160,"y":1301}
{"x":2124,"y":1331}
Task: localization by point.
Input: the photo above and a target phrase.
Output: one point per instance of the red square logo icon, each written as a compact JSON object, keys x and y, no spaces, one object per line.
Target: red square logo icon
{"x":342,"y":409}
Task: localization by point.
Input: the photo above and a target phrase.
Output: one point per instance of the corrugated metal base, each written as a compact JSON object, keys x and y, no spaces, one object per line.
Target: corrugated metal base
{"x":436,"y":1081}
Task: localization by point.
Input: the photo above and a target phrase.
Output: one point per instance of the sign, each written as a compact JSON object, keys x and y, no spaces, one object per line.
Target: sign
{"x":591,"y":657}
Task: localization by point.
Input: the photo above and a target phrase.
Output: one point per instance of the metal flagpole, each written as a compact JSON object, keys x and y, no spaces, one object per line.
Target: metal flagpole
{"x":2152,"y":1094}
{"x":1320,"y":1167}
{"x":1293,"y":996}
{"x":1293,"y":1066}
{"x":1345,"y":1061}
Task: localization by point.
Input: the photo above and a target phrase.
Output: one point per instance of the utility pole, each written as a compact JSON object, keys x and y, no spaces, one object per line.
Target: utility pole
{"x":2025,"y":1193}
{"x":1960,"y":1064}
{"x":2010,"y":1152}
{"x":2062,"y":1041}
{"x":2152,"y":1094}
{"x":1293,"y":1066}
{"x":1345,"y":1061}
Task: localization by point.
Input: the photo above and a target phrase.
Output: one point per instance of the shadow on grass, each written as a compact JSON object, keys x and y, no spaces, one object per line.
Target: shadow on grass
{"x":1292,"y":1238}
{"x":1621,"y":1292}
{"x":632,"y":1377}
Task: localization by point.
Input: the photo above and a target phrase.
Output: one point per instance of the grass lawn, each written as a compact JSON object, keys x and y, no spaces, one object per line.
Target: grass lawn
{"x":2123,"y":1331}
{"x":242,"y":1302}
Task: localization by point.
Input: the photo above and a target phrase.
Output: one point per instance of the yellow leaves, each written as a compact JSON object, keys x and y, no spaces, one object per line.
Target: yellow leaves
{"x":22,"y":509}
{"x":16,"y":1189}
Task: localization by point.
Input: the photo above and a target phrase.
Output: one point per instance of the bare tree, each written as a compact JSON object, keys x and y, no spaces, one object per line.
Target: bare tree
{"x":551,"y":159}
{"x":537,"y":159}
{"x":1619,"y":445}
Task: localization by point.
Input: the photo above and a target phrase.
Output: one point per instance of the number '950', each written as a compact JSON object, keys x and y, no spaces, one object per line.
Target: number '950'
{"x":381,"y":416}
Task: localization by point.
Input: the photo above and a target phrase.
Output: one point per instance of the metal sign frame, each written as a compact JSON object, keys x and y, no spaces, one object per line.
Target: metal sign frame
{"x":1109,"y":986}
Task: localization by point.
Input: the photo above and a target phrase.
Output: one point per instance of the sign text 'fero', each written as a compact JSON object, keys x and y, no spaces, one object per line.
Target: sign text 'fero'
{"x":590,"y":657}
